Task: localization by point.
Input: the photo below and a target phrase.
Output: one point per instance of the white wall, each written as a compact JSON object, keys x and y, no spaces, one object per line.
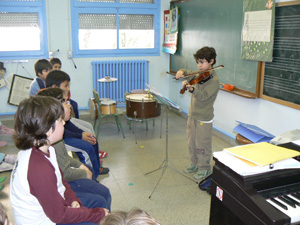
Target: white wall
{"x":59,"y":34}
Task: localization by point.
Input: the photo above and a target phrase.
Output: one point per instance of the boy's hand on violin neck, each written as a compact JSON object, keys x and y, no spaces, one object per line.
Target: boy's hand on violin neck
{"x":179,"y":74}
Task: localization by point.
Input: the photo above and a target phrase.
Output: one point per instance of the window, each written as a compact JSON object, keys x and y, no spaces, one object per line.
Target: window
{"x":115,"y":27}
{"x":23,"y":29}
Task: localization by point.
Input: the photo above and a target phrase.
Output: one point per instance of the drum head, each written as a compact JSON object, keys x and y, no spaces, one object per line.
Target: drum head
{"x":93,"y":108}
{"x":108,"y":102}
{"x":140,"y":98}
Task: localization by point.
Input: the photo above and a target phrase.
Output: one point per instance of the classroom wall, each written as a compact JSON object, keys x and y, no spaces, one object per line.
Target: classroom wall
{"x":59,"y":34}
{"x":270,"y":116}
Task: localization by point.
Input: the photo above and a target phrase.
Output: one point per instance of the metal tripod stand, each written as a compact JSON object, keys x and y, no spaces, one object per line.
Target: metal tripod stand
{"x":165,"y":163}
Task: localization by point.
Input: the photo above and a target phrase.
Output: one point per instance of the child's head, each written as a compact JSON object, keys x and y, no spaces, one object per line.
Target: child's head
{"x":135,"y":216}
{"x":205,"y":56}
{"x":56,"y":63}
{"x":61,"y":96}
{"x":42,"y":67}
{"x":59,"y":79}
{"x":35,"y":117}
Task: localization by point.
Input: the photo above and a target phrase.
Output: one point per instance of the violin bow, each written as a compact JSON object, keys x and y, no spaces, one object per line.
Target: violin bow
{"x":198,"y":73}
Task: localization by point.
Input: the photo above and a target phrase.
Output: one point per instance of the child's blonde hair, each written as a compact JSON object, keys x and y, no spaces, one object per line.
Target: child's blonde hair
{"x":133,"y":217}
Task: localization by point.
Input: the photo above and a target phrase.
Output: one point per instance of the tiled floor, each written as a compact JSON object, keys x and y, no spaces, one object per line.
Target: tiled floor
{"x":176,"y":200}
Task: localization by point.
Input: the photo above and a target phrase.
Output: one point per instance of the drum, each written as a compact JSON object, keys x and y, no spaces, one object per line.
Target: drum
{"x":108,"y":107}
{"x":142,"y":106}
{"x":93,"y":108}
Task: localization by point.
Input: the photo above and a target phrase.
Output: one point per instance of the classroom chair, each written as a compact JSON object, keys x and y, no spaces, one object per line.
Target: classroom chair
{"x":100,"y":116}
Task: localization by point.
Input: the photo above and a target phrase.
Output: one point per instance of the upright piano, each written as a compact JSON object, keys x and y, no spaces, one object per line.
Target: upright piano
{"x":267,"y":198}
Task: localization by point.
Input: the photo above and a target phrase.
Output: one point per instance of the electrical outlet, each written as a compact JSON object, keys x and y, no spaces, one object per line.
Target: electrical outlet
{"x":50,"y":55}
{"x":70,"y":54}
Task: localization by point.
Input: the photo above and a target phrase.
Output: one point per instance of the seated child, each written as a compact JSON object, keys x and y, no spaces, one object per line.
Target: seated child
{"x":38,"y":193}
{"x":56,"y":65}
{"x":61,"y":79}
{"x":76,"y":137}
{"x":42,"y":67}
{"x":91,"y":193}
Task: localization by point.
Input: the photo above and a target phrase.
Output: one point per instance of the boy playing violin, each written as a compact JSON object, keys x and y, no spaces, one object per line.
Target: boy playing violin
{"x":201,"y":113}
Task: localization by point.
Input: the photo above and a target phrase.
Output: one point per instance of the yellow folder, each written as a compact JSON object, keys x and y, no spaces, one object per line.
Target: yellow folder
{"x":263,"y":153}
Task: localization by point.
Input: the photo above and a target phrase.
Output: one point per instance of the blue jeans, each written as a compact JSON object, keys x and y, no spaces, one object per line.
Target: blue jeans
{"x":91,"y":193}
{"x":92,"y":151}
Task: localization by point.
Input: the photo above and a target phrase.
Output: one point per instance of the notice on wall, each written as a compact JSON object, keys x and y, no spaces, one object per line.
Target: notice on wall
{"x":170,"y":38}
{"x":257,"y":26}
{"x":258,"y":30}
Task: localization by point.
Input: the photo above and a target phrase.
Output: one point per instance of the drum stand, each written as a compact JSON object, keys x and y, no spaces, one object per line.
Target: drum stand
{"x":165,"y":164}
{"x":142,"y":121}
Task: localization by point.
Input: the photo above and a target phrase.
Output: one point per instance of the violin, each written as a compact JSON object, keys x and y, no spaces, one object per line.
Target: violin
{"x":202,"y":76}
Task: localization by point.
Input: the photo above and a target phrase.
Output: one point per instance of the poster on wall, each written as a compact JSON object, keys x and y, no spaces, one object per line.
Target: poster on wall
{"x":19,"y":89}
{"x":170,"y":38}
{"x":258,"y":30}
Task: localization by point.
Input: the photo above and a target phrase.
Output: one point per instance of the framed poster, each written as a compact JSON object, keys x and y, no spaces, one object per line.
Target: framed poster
{"x":19,"y":89}
{"x":170,"y":39}
{"x":258,"y":30}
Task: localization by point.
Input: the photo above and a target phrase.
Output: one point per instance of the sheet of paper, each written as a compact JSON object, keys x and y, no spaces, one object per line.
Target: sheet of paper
{"x":163,"y":98}
{"x":257,"y":26}
{"x":8,"y":80}
{"x":262,"y":153}
{"x":244,"y":169}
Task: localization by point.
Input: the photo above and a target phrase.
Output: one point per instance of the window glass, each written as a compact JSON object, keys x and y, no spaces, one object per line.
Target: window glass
{"x":23,"y":29}
{"x":20,"y":32}
{"x":104,"y":27}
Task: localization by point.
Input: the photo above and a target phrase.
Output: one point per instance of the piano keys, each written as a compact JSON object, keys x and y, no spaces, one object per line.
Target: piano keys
{"x":271,"y":198}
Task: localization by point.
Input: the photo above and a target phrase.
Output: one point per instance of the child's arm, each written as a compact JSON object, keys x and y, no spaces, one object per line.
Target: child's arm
{"x":89,"y":137}
{"x":70,"y":167}
{"x":44,"y":186}
{"x":203,"y":92}
{"x":72,"y":131}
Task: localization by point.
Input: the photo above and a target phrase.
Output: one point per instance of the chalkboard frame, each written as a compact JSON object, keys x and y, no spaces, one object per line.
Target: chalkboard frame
{"x":261,"y":88}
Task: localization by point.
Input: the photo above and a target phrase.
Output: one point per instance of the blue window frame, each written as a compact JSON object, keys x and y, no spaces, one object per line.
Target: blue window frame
{"x":102,"y":28}
{"x":23,"y":29}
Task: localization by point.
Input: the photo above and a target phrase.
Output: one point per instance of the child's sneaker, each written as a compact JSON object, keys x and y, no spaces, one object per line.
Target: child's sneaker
{"x":201,"y":174}
{"x":191,"y":168}
{"x":102,"y":154}
{"x":103,"y":170}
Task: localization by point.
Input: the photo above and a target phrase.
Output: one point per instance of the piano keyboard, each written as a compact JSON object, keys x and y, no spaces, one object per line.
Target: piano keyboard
{"x":288,"y":204}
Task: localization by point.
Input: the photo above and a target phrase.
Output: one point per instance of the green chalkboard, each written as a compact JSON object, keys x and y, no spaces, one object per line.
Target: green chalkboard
{"x":282,"y":76}
{"x":216,"y":24}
